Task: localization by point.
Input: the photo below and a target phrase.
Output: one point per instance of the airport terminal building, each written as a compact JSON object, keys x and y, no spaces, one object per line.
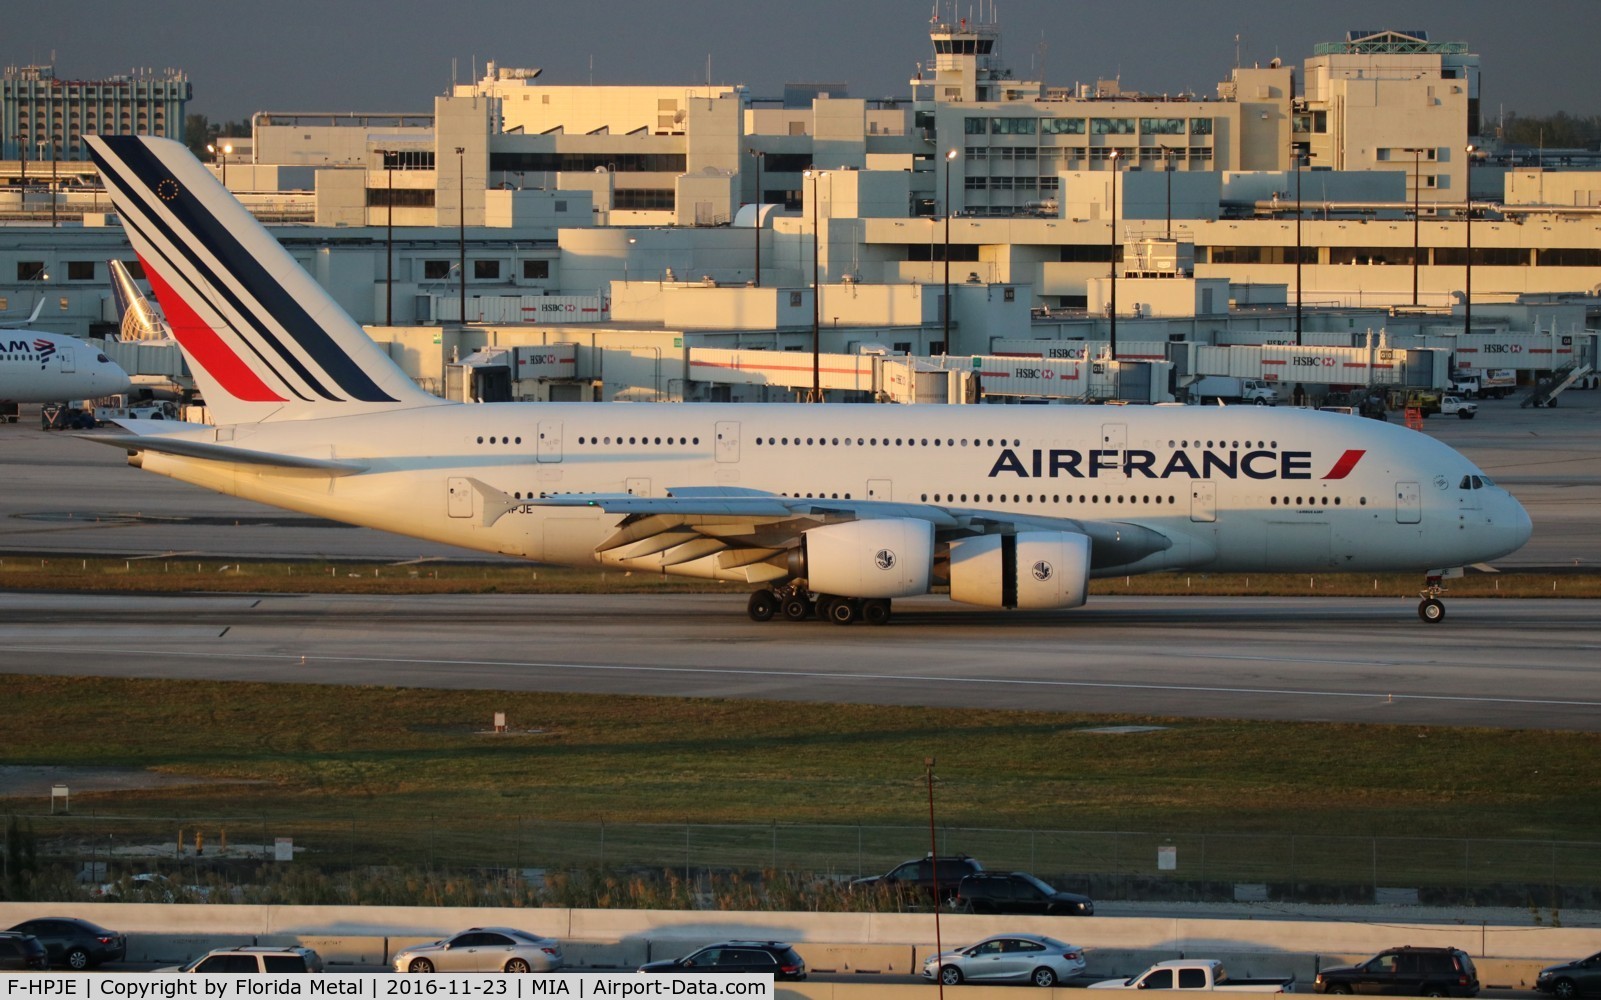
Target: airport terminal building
{"x":704,"y":214}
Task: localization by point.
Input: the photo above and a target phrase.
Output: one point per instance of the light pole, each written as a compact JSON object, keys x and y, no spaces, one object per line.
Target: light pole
{"x":757,"y":222}
{"x":933,"y":867}
{"x":1417,"y":186}
{"x":1467,"y":215}
{"x":22,"y":154}
{"x":1112,"y":249}
{"x":55,"y":185}
{"x":1298,"y":248}
{"x":389,"y":156}
{"x":461,"y":223}
{"x":950,"y":158}
{"x":1167,"y":161}
{"x":219,"y":155}
{"x":816,"y":395}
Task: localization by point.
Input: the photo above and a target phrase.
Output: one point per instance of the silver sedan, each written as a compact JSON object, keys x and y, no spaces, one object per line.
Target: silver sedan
{"x":482,"y":949}
{"x":1008,"y":958}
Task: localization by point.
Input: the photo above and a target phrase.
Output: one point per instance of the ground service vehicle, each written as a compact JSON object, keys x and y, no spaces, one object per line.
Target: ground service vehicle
{"x":1462,"y":408}
{"x":773,"y":958}
{"x":1407,"y":972}
{"x":1581,"y":977}
{"x":482,"y":949}
{"x":1018,"y":892}
{"x":254,"y":959}
{"x":1228,"y":389}
{"x":73,"y":943}
{"x":1008,"y":958}
{"x":1194,"y":974}
{"x":1489,"y":383}
{"x":822,"y":511}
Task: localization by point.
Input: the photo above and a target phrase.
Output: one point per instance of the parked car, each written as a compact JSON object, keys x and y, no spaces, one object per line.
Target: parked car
{"x":73,"y":943}
{"x":1008,"y":958}
{"x":761,"y":957}
{"x":1410,"y":972}
{"x":1017,"y":892}
{"x":252,"y":959}
{"x":22,"y":951}
{"x":482,"y":949}
{"x":916,"y":878}
{"x":1571,"y":979}
{"x":1194,"y":974}
{"x":150,"y":887}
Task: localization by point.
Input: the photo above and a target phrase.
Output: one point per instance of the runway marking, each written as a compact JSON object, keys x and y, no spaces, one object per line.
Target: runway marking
{"x":311,"y":658}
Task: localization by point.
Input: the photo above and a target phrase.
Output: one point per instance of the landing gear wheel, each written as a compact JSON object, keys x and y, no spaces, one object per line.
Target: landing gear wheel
{"x":875,"y":612}
{"x":844,"y":611}
{"x":1431,"y":610}
{"x":797,"y":609}
{"x":763,"y":605}
{"x":825,"y":607}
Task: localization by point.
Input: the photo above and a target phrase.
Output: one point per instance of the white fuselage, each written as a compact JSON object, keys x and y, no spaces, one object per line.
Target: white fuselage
{"x":1235,"y":488}
{"x":48,"y":367}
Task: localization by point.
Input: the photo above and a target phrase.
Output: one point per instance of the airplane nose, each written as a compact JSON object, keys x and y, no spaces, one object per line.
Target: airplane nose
{"x":1519,"y":527}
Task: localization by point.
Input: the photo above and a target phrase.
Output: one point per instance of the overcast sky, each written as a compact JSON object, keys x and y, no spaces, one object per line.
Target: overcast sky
{"x":1538,"y":56}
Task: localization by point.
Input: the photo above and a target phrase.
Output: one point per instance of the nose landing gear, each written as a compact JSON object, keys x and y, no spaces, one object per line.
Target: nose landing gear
{"x":1431,"y":609}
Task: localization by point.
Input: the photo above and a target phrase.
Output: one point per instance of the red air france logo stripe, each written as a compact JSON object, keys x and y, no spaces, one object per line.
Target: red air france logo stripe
{"x":203,"y":344}
{"x":1347,"y":462}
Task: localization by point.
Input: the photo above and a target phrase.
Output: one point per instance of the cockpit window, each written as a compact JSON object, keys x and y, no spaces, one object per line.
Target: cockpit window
{"x":1471,"y":482}
{"x":1466,"y":484}
{"x":1488,"y":481}
{"x":1478,"y":483}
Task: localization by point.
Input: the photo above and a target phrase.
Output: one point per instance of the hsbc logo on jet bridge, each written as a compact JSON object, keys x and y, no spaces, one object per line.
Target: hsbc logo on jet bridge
{"x":1071,"y":463}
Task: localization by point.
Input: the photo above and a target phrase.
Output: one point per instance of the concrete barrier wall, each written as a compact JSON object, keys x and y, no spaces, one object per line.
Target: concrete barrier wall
{"x":863,"y":942}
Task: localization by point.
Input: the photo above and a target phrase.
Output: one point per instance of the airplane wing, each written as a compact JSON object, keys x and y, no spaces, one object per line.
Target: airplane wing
{"x":746,"y":527}
{"x":290,"y":464}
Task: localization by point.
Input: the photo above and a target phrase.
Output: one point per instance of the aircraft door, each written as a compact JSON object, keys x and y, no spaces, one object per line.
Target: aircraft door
{"x":880,"y":489}
{"x":460,"y":502}
{"x":1203,"y":500}
{"x":727,"y":440}
{"x":549,"y":441}
{"x":68,"y":362}
{"x":1408,"y":503}
{"x":1113,"y":438}
{"x":638,"y":486}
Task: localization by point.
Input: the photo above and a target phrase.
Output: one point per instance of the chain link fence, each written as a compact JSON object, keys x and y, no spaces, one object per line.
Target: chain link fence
{"x":1103,"y":864}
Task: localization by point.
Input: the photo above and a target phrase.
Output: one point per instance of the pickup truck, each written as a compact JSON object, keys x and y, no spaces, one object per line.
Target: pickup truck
{"x":1194,"y":974}
{"x":1464,"y":409}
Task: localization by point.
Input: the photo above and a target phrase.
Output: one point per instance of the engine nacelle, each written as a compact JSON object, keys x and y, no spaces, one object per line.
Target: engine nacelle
{"x":891,"y":557}
{"x":1032,"y":569}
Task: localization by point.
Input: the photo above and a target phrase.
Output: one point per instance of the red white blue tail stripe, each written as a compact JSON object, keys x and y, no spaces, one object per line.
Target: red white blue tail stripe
{"x":264,"y":340}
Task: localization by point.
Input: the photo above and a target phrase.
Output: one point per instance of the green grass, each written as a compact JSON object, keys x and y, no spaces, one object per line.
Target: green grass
{"x":54,"y":573}
{"x":409,"y":776}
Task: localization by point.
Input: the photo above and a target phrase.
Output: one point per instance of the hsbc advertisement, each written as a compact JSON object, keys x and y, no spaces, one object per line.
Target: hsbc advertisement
{"x":1292,"y":365}
{"x":546,"y":361}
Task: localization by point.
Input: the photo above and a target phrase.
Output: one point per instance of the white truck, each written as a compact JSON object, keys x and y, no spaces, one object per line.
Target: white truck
{"x":1229,"y":389}
{"x":1464,"y":409}
{"x":1194,"y":974}
{"x":1488,"y":383}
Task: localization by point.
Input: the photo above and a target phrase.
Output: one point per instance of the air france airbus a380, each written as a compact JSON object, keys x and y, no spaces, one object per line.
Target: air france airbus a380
{"x":831,"y":510}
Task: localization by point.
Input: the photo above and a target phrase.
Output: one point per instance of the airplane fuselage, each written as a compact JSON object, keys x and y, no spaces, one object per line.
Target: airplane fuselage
{"x":1235,"y":489}
{"x":48,"y":367}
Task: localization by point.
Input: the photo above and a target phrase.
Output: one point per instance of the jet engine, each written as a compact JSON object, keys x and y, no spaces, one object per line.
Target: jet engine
{"x":1031,"y":569}
{"x":870,"y":559}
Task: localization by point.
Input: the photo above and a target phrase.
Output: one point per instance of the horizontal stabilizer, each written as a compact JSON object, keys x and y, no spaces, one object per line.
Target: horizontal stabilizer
{"x":209,"y":452}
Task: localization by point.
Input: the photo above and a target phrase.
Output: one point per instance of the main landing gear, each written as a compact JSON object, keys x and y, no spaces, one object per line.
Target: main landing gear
{"x":1431,"y":609}
{"x":795,"y":603}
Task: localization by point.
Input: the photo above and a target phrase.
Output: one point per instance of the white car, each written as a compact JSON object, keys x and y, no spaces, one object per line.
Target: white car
{"x":1008,"y":958}
{"x":482,"y":949}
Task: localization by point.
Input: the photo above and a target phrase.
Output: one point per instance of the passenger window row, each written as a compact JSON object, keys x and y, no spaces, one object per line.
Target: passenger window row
{"x":887,"y":442}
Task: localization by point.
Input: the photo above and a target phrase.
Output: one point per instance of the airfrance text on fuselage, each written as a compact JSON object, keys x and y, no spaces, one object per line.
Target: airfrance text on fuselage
{"x":1053,"y":463}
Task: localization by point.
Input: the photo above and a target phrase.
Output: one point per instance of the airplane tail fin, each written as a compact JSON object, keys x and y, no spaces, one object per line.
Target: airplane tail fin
{"x":141,"y":319}
{"x":264,"y":341}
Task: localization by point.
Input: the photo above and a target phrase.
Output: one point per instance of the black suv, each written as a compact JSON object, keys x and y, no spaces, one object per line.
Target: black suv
{"x":1571,"y":979}
{"x":1408,"y":972}
{"x":22,"y":951}
{"x":761,"y":957}
{"x":1018,"y":892}
{"x":916,"y":878}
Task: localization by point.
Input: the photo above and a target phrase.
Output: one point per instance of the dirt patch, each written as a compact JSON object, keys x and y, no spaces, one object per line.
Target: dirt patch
{"x":29,"y":781}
